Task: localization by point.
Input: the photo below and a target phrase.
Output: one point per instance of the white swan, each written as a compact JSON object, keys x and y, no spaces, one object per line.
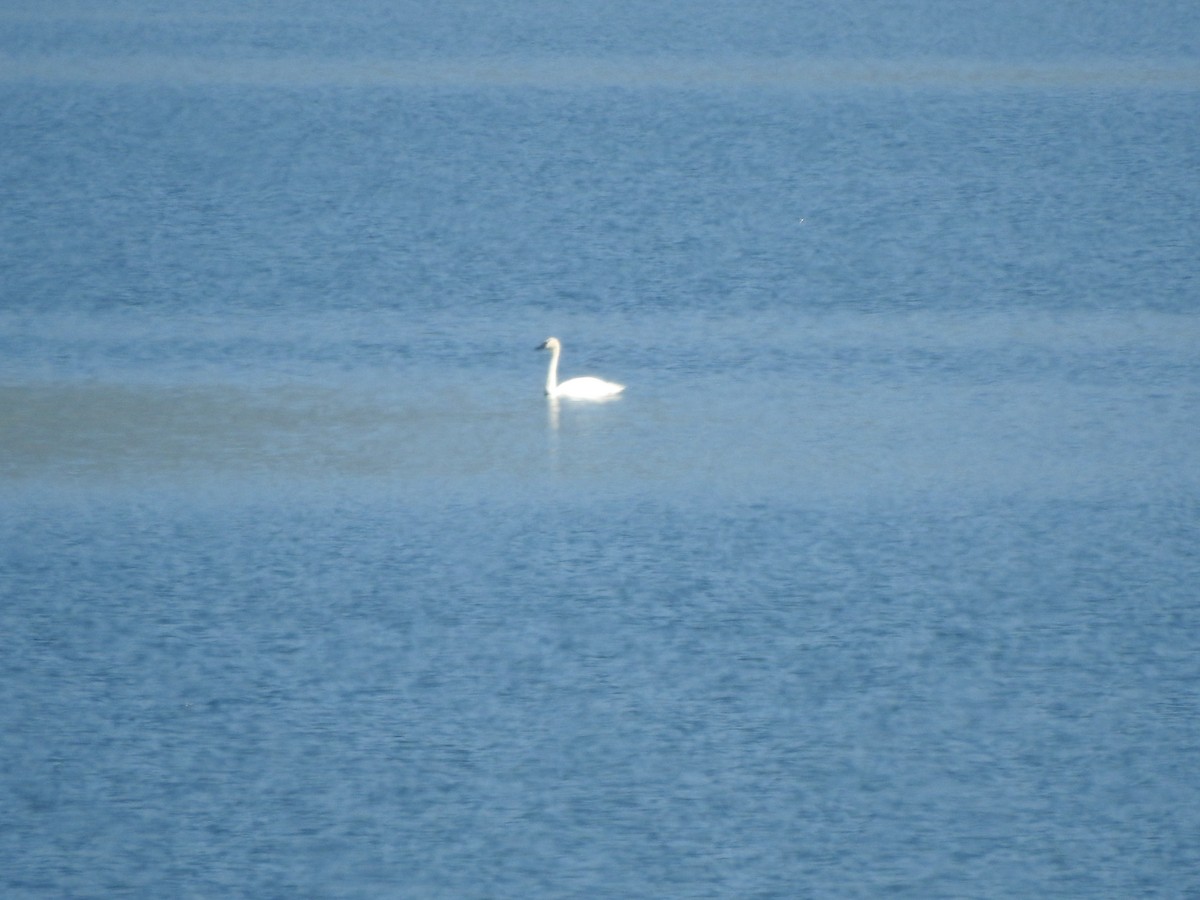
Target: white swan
{"x":585,"y":388}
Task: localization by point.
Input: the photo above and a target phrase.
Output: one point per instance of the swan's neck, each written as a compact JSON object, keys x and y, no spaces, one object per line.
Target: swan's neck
{"x":552,"y":372}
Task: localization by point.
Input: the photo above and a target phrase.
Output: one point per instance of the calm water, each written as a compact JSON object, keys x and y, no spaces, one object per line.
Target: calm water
{"x":880,"y":578}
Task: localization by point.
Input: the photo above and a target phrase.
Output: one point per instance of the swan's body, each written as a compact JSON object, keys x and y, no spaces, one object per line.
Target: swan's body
{"x":585,"y":388}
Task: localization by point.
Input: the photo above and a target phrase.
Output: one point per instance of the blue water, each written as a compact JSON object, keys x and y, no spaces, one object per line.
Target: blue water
{"x":880,"y":577}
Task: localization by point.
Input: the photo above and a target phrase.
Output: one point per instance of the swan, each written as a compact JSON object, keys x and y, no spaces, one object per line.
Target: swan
{"x":585,"y":388}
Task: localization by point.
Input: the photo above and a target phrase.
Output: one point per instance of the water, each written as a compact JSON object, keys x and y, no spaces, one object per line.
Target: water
{"x":879,"y":578}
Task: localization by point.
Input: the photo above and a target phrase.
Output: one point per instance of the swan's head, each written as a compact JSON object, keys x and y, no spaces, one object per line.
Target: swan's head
{"x":550,"y":344}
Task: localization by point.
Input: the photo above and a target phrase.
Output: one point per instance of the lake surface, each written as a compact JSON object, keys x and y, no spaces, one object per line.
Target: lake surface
{"x":880,"y":577}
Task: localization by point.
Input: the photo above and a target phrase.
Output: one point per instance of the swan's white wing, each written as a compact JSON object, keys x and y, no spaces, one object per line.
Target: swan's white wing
{"x":588,"y":387}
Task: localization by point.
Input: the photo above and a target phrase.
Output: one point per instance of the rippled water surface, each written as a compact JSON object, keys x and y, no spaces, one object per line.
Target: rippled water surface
{"x":880,"y":577}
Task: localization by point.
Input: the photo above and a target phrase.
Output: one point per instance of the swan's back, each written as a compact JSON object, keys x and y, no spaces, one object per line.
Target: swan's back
{"x":588,"y":388}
